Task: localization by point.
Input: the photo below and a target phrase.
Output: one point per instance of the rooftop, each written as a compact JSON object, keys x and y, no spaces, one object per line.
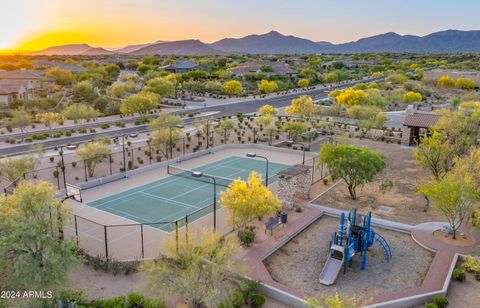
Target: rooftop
{"x":421,"y":119}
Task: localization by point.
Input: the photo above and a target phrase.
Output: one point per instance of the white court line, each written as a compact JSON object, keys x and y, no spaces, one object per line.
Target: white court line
{"x":168,"y":200}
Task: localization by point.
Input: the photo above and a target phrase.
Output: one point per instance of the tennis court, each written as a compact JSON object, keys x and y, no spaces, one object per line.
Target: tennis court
{"x":167,"y":200}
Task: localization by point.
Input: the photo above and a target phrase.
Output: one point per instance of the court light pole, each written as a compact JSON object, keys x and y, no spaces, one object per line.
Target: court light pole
{"x":254,"y":155}
{"x":63,"y":169}
{"x":179,"y":126}
{"x":199,"y":174}
{"x":292,"y":142}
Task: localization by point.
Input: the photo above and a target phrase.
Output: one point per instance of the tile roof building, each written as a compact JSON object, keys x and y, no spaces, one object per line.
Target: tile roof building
{"x":416,"y":124}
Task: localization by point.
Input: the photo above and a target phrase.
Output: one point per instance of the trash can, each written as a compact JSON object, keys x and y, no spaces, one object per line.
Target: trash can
{"x":283,"y":217}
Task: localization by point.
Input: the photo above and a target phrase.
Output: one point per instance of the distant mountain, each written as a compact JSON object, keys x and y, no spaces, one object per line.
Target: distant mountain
{"x":186,"y":47}
{"x":448,"y":41}
{"x":70,"y":49}
{"x":132,"y":48}
{"x":269,"y":43}
{"x":444,"y":41}
{"x":97,"y":51}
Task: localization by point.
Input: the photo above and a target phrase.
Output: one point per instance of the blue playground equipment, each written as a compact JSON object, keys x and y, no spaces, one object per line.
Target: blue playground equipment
{"x":350,"y":239}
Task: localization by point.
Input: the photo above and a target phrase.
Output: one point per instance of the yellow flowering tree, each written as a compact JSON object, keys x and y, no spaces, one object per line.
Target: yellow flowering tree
{"x":303,"y":83}
{"x":465,"y":83}
{"x":303,"y":107}
{"x":445,"y":81}
{"x":267,"y":110}
{"x":247,"y":200}
{"x":92,"y":154}
{"x":411,"y":97}
{"x":49,"y":119}
{"x":267,"y":86}
{"x":350,"y":97}
{"x":232,"y":87}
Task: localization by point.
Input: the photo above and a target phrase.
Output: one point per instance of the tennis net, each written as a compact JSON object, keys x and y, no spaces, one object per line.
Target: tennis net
{"x":206,"y":178}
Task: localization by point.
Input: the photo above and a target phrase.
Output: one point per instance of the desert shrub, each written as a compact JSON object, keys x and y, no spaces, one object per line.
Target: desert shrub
{"x":477,"y":275}
{"x":471,"y":264}
{"x":441,"y":301}
{"x":430,"y":305}
{"x":105,"y":126}
{"x":247,"y":236}
{"x":459,"y":274}
{"x":257,"y":300}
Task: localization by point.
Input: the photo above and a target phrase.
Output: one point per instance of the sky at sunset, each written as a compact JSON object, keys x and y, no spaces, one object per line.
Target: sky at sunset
{"x":36,"y":24}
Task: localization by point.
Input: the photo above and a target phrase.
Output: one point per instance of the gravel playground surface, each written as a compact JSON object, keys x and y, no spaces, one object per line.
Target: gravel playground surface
{"x":298,"y":264}
{"x":406,"y":206}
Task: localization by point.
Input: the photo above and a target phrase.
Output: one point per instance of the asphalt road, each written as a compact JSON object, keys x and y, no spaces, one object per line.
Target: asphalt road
{"x":222,"y":110}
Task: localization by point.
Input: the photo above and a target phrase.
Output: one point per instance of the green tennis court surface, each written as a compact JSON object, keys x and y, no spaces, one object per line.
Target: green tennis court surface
{"x":174,"y":197}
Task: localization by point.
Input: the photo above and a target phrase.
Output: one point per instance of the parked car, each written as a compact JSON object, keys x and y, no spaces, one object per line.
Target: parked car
{"x":133,"y":135}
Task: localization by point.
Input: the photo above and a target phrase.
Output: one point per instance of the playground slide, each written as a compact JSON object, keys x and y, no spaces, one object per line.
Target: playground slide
{"x":330,"y":271}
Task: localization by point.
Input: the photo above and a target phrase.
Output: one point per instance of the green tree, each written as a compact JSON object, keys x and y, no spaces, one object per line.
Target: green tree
{"x":295,"y":129}
{"x":93,"y":153}
{"x":453,"y":196}
{"x":32,"y":256}
{"x":80,"y":112}
{"x":13,"y":168}
{"x":161,"y":86}
{"x":140,"y":103}
{"x":232,"y":87}
{"x":20,"y":119}
{"x":224,"y":128}
{"x":435,"y":154}
{"x":84,"y":91}
{"x":61,"y":76}
{"x":164,"y":129}
{"x":355,"y":165}
{"x":199,"y":274}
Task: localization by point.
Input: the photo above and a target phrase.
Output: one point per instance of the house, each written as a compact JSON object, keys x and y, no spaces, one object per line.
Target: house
{"x":12,"y":90}
{"x":267,"y":68}
{"x":24,"y":75}
{"x":181,"y":66}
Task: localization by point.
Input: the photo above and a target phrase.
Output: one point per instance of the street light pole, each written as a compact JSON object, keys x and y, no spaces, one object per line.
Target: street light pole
{"x":292,"y":142}
{"x":198,"y":174}
{"x":254,"y":155}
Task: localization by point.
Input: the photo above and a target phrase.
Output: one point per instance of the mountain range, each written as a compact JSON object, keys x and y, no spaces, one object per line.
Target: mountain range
{"x":449,"y":41}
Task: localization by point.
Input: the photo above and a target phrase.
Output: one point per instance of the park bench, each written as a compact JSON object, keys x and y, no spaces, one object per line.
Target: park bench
{"x":271,"y":224}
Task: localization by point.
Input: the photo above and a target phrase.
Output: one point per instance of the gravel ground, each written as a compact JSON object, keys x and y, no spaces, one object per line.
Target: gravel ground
{"x":298,"y":264}
{"x":464,"y":294}
{"x":403,"y":170}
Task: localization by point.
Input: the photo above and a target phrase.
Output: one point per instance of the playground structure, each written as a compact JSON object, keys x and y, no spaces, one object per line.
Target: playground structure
{"x":350,"y":239}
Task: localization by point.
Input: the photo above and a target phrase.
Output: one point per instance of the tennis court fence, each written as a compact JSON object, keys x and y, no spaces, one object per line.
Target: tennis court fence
{"x":136,"y":241}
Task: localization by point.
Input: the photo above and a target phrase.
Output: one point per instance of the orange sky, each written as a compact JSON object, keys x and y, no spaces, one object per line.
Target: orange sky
{"x":36,"y":24}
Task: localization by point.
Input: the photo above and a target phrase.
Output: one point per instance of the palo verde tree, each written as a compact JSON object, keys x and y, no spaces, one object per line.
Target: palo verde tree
{"x":225,"y":128}
{"x":453,"y":196}
{"x":303,"y":107}
{"x":32,"y":254}
{"x":49,"y":119}
{"x":248,"y":200}
{"x":355,"y":165}
{"x":12,"y":168}
{"x":197,"y":273}
{"x":266,"y":86}
{"x":164,"y":129}
{"x":232,"y":87}
{"x":80,"y":112}
{"x":93,"y":153}
{"x":20,"y":119}
{"x":140,"y":103}
{"x":435,"y":154}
